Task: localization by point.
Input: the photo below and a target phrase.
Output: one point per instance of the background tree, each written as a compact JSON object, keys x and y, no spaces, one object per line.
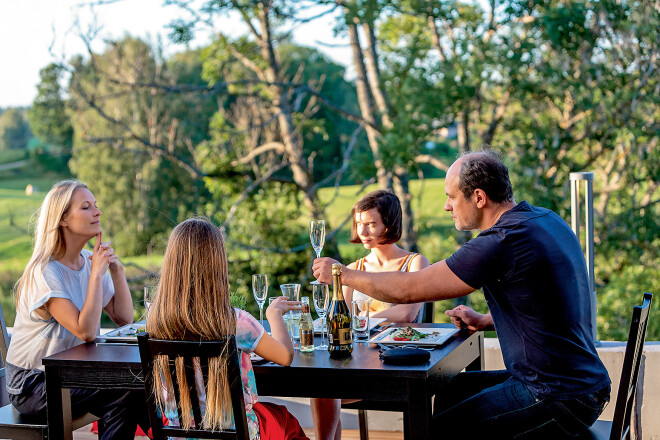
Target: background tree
{"x":592,"y":106}
{"x":14,"y":130}
{"x":125,"y":143}
{"x":49,"y":120}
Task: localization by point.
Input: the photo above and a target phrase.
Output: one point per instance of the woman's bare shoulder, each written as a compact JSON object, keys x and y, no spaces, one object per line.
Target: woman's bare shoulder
{"x":419,"y":262}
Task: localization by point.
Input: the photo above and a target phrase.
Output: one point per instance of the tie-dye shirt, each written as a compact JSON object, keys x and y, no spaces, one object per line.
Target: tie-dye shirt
{"x":248,"y":335}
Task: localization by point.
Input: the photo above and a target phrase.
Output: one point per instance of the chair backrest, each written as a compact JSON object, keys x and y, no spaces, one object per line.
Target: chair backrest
{"x":629,"y":374}
{"x":426,"y":312}
{"x":4,"y":344}
{"x":226,"y":348}
{"x":4,"y":338}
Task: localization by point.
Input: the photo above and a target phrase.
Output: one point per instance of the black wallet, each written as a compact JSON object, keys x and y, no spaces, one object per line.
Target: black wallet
{"x":405,"y":356}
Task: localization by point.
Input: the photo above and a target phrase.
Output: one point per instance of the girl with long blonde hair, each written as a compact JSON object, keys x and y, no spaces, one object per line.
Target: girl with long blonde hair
{"x":59,"y":301}
{"x":192,"y":303}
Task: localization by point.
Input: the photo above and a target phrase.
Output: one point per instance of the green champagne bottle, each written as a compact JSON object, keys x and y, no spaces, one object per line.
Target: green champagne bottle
{"x":339,"y":319}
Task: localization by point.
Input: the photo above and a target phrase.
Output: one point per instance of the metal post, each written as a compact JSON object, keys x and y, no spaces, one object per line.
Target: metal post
{"x":588,"y":179}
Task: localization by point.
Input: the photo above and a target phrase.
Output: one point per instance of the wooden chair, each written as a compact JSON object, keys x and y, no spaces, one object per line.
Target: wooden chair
{"x":14,"y":425}
{"x":226,"y":348}
{"x":425,"y":314}
{"x":619,"y":428}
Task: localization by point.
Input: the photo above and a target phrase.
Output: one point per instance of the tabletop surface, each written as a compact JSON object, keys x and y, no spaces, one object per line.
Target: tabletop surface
{"x":365,"y":357}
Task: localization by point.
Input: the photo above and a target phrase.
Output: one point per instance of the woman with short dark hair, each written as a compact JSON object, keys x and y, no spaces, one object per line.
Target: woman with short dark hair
{"x":377,"y":226}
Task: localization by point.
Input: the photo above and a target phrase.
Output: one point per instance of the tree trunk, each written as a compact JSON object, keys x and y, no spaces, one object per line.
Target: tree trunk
{"x":366,"y":107}
{"x":435,"y":37}
{"x":282,"y":107}
{"x":374,"y":76}
{"x":291,"y":140}
{"x":408,"y":229}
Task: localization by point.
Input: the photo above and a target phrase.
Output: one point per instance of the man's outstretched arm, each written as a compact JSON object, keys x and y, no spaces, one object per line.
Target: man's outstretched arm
{"x":434,"y":283}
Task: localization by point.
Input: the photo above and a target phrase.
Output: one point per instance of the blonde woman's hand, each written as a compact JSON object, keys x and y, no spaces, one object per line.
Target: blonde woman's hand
{"x":103,"y":256}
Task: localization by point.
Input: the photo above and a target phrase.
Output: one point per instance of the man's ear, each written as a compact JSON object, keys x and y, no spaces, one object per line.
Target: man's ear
{"x":480,"y":198}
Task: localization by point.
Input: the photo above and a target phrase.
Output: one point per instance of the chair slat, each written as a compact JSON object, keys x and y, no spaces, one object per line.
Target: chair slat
{"x":192,"y":389}
{"x":171,"y":362}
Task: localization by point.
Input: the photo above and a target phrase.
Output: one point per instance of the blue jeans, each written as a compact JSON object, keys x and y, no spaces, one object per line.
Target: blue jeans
{"x":495,"y":404}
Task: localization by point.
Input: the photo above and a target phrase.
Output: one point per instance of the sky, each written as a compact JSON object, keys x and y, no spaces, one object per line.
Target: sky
{"x":34,"y":33}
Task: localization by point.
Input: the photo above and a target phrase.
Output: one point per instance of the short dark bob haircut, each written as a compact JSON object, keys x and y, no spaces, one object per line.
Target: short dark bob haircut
{"x":484,"y":170}
{"x":388,"y":207}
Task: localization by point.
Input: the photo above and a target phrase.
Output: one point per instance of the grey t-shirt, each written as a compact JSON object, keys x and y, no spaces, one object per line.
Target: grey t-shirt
{"x":34,"y":337}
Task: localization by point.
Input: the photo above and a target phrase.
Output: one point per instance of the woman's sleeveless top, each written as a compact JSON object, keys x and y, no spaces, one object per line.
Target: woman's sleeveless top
{"x":378,"y":306}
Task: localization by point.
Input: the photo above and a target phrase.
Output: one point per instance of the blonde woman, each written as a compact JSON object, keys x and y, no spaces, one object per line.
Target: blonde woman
{"x":377,"y":226}
{"x":192,"y":303}
{"x":59,"y":301}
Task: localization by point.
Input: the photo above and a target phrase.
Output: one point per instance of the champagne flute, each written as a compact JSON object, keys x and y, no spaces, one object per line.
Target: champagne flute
{"x":149,"y":294}
{"x":317,"y":237}
{"x":260,"y":291}
{"x":321,"y":296}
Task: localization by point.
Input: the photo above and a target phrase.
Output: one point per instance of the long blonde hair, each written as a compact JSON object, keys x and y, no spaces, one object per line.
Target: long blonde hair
{"x":192,"y":303}
{"x":48,"y":238}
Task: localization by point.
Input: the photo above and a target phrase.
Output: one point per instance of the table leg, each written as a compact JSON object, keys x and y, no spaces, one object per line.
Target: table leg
{"x":417,"y":417}
{"x":58,"y":409}
{"x":479,"y":364}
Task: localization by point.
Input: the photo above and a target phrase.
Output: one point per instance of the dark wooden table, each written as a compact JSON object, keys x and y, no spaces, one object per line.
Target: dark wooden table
{"x":362,"y":376}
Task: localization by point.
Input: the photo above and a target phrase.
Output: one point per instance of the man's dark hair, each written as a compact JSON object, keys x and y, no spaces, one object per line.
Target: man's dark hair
{"x":388,"y":207}
{"x":485,"y":170}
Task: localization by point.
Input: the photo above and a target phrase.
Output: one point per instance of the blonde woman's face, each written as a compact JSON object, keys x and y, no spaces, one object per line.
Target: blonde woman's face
{"x":83,"y":218}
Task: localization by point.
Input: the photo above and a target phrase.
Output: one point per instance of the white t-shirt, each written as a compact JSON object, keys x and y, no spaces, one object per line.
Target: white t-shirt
{"x":34,"y":337}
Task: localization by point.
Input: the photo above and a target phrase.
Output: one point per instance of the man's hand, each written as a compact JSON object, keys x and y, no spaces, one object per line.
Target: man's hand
{"x":464,"y":317}
{"x":323,"y":269}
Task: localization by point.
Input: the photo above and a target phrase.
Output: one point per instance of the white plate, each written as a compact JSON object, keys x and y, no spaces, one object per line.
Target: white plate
{"x":373,"y":322}
{"x":437,"y":336}
{"x":126,"y":333}
{"x":254,"y":357}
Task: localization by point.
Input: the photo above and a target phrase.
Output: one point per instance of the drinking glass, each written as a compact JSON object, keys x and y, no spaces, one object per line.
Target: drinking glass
{"x":292,"y":291}
{"x":321,"y":296}
{"x":149,"y":294}
{"x":317,"y":237}
{"x":360,"y":312}
{"x":260,"y":291}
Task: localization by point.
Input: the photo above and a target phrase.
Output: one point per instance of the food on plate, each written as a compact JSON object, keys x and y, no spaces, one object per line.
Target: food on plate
{"x":130,"y":331}
{"x":410,"y":334}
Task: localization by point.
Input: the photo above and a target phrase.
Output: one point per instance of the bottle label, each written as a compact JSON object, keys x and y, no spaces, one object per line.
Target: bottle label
{"x":344,"y":336}
{"x":306,"y":337}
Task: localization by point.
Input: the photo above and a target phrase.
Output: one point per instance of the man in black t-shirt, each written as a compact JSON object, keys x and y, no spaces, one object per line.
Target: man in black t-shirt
{"x":532,"y":271}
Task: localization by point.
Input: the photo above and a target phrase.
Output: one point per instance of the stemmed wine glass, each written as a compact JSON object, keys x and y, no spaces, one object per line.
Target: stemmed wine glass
{"x":149,"y":294}
{"x":260,"y":291}
{"x":321,"y":296}
{"x":317,"y":237}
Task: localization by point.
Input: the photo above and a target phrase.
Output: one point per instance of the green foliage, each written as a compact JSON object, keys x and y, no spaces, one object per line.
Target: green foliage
{"x":145,"y":192}
{"x":48,"y":116}
{"x":50,"y":122}
{"x":14,"y":130}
